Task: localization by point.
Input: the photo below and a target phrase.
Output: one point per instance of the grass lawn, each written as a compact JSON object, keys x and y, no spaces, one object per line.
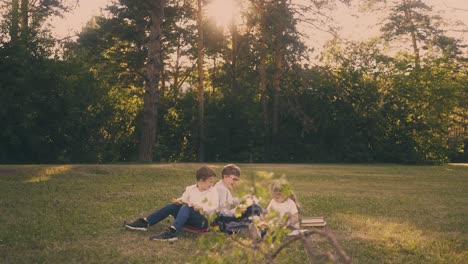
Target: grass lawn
{"x":379,"y":213}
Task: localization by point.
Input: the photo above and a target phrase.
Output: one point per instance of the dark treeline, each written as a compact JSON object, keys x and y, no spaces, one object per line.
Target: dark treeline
{"x":262,"y":98}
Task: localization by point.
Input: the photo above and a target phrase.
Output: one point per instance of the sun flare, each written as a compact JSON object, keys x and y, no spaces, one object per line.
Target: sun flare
{"x":223,"y":11}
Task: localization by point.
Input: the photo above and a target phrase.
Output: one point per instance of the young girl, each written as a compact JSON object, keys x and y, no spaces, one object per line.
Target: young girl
{"x":284,"y":203}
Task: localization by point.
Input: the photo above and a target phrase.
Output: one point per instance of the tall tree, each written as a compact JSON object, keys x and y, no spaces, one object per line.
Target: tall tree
{"x":201,"y":84}
{"x":412,"y":18}
{"x":259,"y":20}
{"x":25,"y":20}
{"x":283,"y":20}
{"x":178,"y":37}
{"x":153,"y":70}
{"x":14,"y":21}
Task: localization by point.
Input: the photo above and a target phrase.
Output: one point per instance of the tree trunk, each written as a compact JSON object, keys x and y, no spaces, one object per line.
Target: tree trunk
{"x":163,"y":80}
{"x":415,"y":50}
{"x":234,"y":96}
{"x":414,"y":39}
{"x":277,"y":88}
{"x":14,"y":30}
{"x":24,"y":17}
{"x":234,"y":85}
{"x":153,"y":69}
{"x":201,"y":88}
{"x":176,"y":71}
{"x":279,"y":30}
{"x":465,"y":125}
{"x":263,"y":84}
{"x":260,"y":8}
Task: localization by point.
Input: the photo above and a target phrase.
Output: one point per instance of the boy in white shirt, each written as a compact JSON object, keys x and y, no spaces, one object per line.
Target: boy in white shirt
{"x":230,"y":175}
{"x":197,"y":201}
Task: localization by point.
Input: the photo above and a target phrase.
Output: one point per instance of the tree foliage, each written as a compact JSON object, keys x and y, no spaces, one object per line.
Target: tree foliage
{"x":264,"y":99}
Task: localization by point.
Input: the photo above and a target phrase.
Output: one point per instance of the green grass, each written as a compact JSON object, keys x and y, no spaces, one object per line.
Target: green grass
{"x":379,"y":213}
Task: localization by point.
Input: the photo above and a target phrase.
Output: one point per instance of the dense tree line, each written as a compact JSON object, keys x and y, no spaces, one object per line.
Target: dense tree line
{"x":160,"y":81}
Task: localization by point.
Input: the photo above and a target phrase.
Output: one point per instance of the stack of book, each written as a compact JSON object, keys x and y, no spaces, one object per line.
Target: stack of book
{"x":312,"y":221}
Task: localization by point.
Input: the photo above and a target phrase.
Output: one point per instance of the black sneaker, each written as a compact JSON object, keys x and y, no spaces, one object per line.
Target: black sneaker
{"x":169,"y":235}
{"x":139,"y":224}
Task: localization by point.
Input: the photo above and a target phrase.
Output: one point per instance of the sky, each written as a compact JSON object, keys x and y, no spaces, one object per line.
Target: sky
{"x":353,"y":25}
{"x":73,"y":21}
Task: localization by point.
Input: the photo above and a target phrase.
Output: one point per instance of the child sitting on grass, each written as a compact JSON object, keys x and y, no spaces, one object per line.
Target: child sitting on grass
{"x":230,"y":176}
{"x":282,"y":211}
{"x":284,"y":203}
{"x":198,"y":201}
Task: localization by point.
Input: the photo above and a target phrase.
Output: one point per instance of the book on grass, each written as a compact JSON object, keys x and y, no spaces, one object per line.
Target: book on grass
{"x":314,"y":224}
{"x":312,"y":221}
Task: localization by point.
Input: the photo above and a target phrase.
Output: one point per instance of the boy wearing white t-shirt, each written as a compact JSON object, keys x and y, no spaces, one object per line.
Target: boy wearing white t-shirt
{"x":230,"y":175}
{"x":198,"y":201}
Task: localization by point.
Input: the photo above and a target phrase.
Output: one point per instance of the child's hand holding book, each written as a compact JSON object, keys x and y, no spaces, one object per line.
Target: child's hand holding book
{"x":178,"y":201}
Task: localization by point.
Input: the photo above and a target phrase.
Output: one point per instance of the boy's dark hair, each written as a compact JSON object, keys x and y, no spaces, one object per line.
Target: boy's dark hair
{"x":205,"y":172}
{"x":231,"y":169}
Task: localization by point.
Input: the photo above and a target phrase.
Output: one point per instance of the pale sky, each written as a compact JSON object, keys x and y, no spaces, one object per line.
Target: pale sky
{"x":353,"y":27}
{"x":73,"y":21}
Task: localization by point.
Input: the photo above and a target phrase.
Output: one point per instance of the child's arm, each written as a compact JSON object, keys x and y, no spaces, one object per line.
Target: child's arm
{"x":184,"y":199}
{"x":294,"y":215}
{"x":223,"y":201}
{"x":197,"y":208}
{"x":178,"y":201}
{"x":294,"y":220}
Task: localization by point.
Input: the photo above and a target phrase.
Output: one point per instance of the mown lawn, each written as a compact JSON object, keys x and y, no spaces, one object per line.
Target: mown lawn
{"x":379,"y":213}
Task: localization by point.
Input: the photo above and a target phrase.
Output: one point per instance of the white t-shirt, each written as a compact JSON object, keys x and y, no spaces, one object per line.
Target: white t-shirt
{"x":208,"y":199}
{"x":226,"y":201}
{"x":287,"y":207}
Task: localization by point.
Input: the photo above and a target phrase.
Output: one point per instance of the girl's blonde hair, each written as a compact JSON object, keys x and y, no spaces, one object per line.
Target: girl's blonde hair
{"x":283,"y":186}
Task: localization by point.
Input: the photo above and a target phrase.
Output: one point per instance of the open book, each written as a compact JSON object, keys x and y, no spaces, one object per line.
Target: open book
{"x":312,"y":221}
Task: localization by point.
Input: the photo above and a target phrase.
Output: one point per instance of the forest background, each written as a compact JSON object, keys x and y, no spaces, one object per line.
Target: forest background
{"x":164,"y":81}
